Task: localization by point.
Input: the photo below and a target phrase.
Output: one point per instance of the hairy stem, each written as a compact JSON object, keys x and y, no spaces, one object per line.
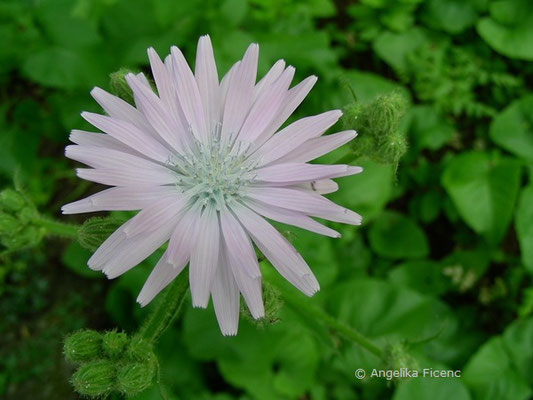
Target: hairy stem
{"x":57,"y":228}
{"x":167,"y":309}
{"x":303,"y":305}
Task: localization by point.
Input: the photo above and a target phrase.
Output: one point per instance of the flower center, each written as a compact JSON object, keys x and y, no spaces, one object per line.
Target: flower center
{"x":213,"y":172}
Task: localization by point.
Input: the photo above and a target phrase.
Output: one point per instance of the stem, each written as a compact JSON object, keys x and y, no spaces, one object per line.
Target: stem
{"x":167,"y":309}
{"x":57,"y":228}
{"x":340,"y":327}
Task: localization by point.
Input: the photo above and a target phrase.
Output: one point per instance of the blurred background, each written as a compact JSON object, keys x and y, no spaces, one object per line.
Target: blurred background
{"x":440,"y":269}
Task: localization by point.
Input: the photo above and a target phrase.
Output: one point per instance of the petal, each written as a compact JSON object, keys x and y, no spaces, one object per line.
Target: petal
{"x":295,"y":135}
{"x":249,"y":287}
{"x":239,"y":244}
{"x":117,"y":108}
{"x":292,"y":218}
{"x":295,"y":173}
{"x":224,"y":85}
{"x":155,"y":112}
{"x":291,"y":101}
{"x":323,"y":186}
{"x":266,"y":107}
{"x":136,"y":250}
{"x":316,"y":147}
{"x":206,"y":75}
{"x":188,"y":95}
{"x":204,"y":257}
{"x":142,"y":78}
{"x":150,"y":217}
{"x":85,"y":138}
{"x":120,"y":198}
{"x":184,"y":237}
{"x":278,"y":250}
{"x":306,"y":202}
{"x":163,"y":273}
{"x":163,"y":80}
{"x":269,"y":78}
{"x":226,"y":299}
{"x":119,"y":253}
{"x":98,"y":157}
{"x":134,"y":177}
{"x":129,"y":135}
{"x":240,"y":92}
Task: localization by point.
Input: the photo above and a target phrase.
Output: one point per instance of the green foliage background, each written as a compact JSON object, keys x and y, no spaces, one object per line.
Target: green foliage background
{"x":442,"y":264}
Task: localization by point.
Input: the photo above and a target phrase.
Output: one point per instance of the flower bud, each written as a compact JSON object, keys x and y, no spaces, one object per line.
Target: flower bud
{"x":351,"y":113}
{"x":11,"y":200}
{"x":83,"y":346}
{"x":119,"y":86}
{"x":141,"y":350}
{"x":135,"y":377}
{"x":29,"y":236}
{"x":95,"y":230}
{"x":8,"y":224}
{"x":273,"y":305}
{"x":96,"y":378}
{"x":384,"y":114}
{"x":397,"y":356}
{"x":378,"y":126}
{"x":27,"y":215}
{"x":114,"y":343}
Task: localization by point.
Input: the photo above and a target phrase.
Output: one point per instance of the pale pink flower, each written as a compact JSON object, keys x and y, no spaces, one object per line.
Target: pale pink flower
{"x":205,"y":163}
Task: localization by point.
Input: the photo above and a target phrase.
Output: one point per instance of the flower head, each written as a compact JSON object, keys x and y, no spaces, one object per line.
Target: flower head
{"x":206,"y":162}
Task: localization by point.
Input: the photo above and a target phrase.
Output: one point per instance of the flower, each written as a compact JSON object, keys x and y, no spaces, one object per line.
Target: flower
{"x":204,"y":162}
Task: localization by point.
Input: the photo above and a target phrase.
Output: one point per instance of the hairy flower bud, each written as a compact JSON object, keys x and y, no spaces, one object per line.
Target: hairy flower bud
{"x":397,"y":356}
{"x":95,"y":230}
{"x":273,"y":305}
{"x":83,"y":346}
{"x":8,"y":224}
{"x":11,"y":200}
{"x":378,"y":125}
{"x":141,"y":350}
{"x":119,"y":86}
{"x":114,"y":343}
{"x":95,"y":378}
{"x":135,"y":377}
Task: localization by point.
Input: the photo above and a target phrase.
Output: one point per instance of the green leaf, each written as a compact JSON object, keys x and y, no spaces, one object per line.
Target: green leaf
{"x":62,"y":68}
{"x":381,"y":309}
{"x":524,"y":226}
{"x":367,"y":85}
{"x":500,"y":369}
{"x":452,"y":16}
{"x":75,"y":258}
{"x":234,"y":11}
{"x":512,"y":129}
{"x":517,"y":339}
{"x":318,"y":253}
{"x":321,"y":8}
{"x":484,"y":190}
{"x":428,"y":129}
{"x":464,"y":267}
{"x":368,"y":192}
{"x":393,"y":48}
{"x":63,"y":29}
{"x":509,"y":29}
{"x":394,"y":236}
{"x":424,"y":276}
{"x":244,"y":360}
{"x":431,"y":388}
